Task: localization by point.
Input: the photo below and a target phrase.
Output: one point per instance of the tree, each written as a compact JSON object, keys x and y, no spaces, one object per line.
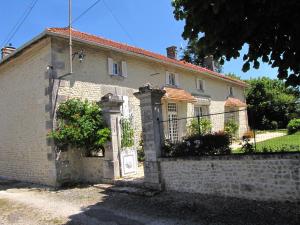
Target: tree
{"x":269,"y":27}
{"x":233,"y":75}
{"x":270,"y":103}
{"x":192,"y":55}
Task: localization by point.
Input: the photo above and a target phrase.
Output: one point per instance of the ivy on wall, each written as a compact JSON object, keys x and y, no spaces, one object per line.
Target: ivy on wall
{"x":127,"y":136}
{"x":80,"y":124}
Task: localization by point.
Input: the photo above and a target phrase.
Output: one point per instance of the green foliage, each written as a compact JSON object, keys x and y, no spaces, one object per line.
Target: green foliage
{"x":140,"y":150}
{"x":270,"y":100}
{"x":247,"y":146}
{"x":286,"y":143}
{"x":204,"y":126}
{"x":127,"y":133}
{"x":192,"y":55}
{"x":231,"y":127}
{"x":222,"y":28}
{"x":81,"y":125}
{"x":293,"y":126}
{"x":234,"y":76}
{"x":199,"y":145}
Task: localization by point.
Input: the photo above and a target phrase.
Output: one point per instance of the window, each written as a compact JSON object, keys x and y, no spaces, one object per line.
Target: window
{"x":172,"y":121}
{"x":172,"y":79}
{"x":200,"y":110}
{"x":230,"y":91}
{"x":116,"y":68}
{"x":200,"y":84}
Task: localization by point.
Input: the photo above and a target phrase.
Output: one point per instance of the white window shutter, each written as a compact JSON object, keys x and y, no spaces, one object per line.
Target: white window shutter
{"x":125,"y":107}
{"x":167,"y":77}
{"x":177,"y":79}
{"x":197,"y":83}
{"x":124,"y":69}
{"x":203,"y":85}
{"x":110,"y":66}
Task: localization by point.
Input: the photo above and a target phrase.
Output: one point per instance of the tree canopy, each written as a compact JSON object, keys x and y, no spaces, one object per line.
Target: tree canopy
{"x":271,"y":104}
{"x":220,"y":28}
{"x":192,"y":55}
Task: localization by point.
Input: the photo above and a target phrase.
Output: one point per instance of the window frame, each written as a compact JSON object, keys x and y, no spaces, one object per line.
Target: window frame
{"x":172,"y":79}
{"x":199,"y":80}
{"x":116,"y":68}
{"x":231,"y":91}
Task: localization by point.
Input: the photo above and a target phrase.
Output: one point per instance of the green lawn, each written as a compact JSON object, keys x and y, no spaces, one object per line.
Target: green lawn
{"x":287,"y":143}
{"x":290,"y":143}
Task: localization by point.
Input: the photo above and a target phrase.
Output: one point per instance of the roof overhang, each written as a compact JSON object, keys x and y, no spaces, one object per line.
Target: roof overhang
{"x":234,"y":102}
{"x":177,"y":94}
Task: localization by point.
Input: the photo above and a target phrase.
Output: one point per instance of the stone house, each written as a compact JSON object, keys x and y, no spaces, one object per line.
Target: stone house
{"x":35,"y":78}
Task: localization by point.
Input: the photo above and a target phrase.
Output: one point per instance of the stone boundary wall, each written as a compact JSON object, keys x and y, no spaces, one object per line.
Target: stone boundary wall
{"x":264,"y":177}
{"x":73,"y":167}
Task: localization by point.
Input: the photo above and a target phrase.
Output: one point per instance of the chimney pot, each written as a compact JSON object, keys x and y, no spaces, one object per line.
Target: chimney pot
{"x":7,"y":50}
{"x":172,"y":52}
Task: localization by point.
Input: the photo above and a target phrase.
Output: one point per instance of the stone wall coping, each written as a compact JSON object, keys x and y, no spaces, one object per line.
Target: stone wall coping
{"x":257,"y":156}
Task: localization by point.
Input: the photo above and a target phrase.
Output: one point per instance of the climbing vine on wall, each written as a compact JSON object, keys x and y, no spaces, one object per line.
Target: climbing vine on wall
{"x":127,"y":136}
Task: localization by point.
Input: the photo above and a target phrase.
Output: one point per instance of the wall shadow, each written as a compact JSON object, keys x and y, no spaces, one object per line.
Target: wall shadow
{"x":183,"y":208}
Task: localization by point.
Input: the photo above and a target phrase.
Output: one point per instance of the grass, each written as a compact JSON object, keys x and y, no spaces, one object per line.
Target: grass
{"x":287,"y":143}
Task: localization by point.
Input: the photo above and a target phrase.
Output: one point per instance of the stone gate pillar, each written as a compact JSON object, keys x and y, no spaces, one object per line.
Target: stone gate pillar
{"x":151,"y":110}
{"x":111,"y":111}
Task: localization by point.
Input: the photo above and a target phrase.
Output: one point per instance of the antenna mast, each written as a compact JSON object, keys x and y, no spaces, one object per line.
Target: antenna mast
{"x":70,"y":36}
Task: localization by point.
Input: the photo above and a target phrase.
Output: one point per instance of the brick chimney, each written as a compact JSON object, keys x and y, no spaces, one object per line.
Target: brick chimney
{"x":7,"y":50}
{"x":172,"y":52}
{"x":209,"y":63}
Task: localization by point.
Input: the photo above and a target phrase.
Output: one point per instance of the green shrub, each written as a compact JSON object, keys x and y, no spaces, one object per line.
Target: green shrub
{"x":140,"y":150}
{"x":199,"y":145}
{"x":293,"y":126}
{"x":273,"y":125}
{"x":231,"y":127}
{"x":127,"y":136}
{"x":80,"y":124}
{"x":204,"y":126}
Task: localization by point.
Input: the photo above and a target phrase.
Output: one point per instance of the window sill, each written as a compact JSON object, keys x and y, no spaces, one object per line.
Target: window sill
{"x":171,"y":86}
{"x":117,"y":77}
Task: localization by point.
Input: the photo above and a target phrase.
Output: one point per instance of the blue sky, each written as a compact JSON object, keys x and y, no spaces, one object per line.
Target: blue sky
{"x":148,"y":24}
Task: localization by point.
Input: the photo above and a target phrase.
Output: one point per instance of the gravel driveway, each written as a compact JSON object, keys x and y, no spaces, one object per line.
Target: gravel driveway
{"x":26,"y":204}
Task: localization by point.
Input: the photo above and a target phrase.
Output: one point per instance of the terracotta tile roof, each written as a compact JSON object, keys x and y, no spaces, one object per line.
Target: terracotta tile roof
{"x":234,"y":102}
{"x":177,"y":94}
{"x":106,"y":42}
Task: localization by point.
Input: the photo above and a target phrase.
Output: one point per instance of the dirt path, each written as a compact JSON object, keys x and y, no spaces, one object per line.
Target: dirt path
{"x":22,"y":204}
